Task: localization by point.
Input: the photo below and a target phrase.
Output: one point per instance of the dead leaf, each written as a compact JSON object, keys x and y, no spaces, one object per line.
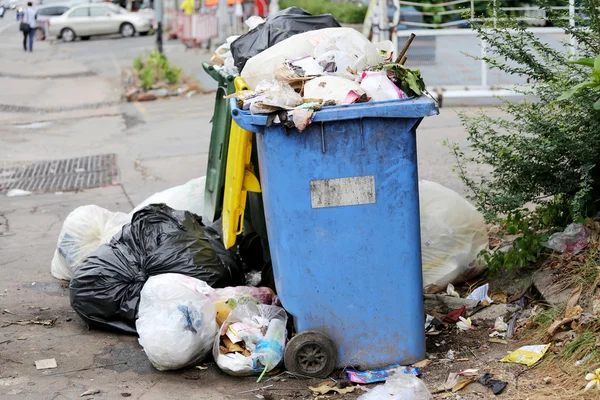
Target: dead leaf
{"x":574,"y":312}
{"x":89,"y":392}
{"x":46,"y":364}
{"x":462,"y":359}
{"x":22,"y":338}
{"x":201,"y":367}
{"x":324,"y":389}
{"x":44,"y":322}
{"x":422,"y":364}
{"x":556,"y":325}
{"x":500,"y":341}
{"x":598,"y":341}
{"x":446,"y":395}
{"x":8,"y":312}
{"x":572,"y":302}
{"x":499,"y":297}
{"x":461,"y":385}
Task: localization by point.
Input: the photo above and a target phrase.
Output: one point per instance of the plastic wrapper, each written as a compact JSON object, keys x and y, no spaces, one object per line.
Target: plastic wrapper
{"x":85,"y":229}
{"x":573,"y":239}
{"x":379,"y":87}
{"x":453,"y":233}
{"x":528,"y":355}
{"x":252,"y":340}
{"x":186,"y":197}
{"x":226,"y":299}
{"x":176,"y":321}
{"x":399,"y":386}
{"x":276,"y":28}
{"x":378,"y":374}
{"x":262,"y":66}
{"x":331,"y":88}
{"x":105,"y":289}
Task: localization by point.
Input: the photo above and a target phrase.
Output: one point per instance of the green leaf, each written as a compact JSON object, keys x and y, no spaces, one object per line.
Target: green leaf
{"x":597,"y":64}
{"x":587,"y":62}
{"x":569,"y":93}
{"x":597,"y":105}
{"x":413,"y":83}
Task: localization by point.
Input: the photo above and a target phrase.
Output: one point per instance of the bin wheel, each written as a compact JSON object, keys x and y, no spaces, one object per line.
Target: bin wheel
{"x":312,"y":354}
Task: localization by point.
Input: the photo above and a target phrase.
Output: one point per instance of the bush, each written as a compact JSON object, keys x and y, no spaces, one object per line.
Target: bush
{"x":544,"y":155}
{"x":547,"y":151}
{"x":155,"y":68}
{"x":344,"y":12}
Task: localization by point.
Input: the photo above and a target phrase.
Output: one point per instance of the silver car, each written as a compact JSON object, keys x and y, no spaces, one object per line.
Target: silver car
{"x":98,"y":19}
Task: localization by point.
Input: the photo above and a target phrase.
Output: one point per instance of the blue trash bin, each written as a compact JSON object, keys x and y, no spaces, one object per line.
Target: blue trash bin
{"x":342,"y":210}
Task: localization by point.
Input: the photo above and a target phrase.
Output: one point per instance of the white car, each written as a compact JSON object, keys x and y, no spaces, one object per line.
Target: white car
{"x":98,"y":19}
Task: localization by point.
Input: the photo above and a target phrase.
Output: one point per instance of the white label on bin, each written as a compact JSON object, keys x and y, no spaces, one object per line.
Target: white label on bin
{"x":342,"y":191}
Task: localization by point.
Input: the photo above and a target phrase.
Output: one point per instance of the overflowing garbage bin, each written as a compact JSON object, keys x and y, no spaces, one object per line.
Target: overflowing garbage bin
{"x":342,"y":211}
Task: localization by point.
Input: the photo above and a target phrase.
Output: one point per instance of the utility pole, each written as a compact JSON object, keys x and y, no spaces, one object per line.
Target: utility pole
{"x":222,"y":16}
{"x":158,"y":10}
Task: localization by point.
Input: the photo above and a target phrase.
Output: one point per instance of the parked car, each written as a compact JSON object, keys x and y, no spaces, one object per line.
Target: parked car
{"x":44,"y":13}
{"x":98,"y":19}
{"x":2,"y":11}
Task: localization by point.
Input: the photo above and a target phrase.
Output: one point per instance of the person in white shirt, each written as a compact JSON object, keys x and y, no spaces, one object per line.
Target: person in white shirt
{"x":28,"y":25}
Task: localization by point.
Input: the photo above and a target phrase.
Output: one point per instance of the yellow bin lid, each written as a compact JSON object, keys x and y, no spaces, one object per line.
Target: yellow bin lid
{"x":239,"y":178}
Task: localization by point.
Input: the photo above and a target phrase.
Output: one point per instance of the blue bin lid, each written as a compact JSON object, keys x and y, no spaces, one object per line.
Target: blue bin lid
{"x":403,"y":108}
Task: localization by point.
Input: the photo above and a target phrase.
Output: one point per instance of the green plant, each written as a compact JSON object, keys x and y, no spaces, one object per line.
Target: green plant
{"x":138,"y":64}
{"x":524,"y":250}
{"x":156,"y":67}
{"x":544,"y":151}
{"x":345,"y":12}
{"x":147,"y":77}
{"x":593,"y":81}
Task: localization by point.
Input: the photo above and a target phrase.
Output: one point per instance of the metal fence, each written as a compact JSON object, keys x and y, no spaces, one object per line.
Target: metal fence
{"x":446,"y":51}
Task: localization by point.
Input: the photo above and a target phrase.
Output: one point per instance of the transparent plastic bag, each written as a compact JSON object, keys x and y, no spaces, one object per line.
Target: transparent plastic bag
{"x":85,"y":229}
{"x":399,"y":386}
{"x":226,"y":299}
{"x":275,"y":94}
{"x":453,"y":233}
{"x":573,"y":239}
{"x":251,"y":340}
{"x":186,"y":197}
{"x":176,"y":321}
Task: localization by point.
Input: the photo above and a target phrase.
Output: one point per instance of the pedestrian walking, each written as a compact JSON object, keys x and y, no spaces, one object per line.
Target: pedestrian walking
{"x":28,"y":25}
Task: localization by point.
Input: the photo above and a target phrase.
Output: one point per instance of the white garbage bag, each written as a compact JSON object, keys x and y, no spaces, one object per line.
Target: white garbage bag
{"x":187,"y":197}
{"x":345,"y":46}
{"x":453,"y":233}
{"x":85,"y":229}
{"x":176,"y":320}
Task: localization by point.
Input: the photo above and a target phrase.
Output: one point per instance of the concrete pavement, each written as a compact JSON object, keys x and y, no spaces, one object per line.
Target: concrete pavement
{"x":45,"y":116}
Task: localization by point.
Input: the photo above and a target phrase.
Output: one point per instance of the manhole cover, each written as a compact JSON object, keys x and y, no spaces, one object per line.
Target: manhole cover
{"x":61,"y":175}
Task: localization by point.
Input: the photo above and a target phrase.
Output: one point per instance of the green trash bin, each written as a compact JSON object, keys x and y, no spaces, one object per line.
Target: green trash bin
{"x":217,"y":163}
{"x":219,"y":143}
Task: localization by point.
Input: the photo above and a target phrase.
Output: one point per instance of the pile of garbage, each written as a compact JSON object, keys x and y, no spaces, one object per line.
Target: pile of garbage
{"x":311,"y":64}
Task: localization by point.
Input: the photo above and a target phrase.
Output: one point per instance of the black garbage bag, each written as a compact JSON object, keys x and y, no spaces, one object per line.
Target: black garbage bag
{"x":278,"y":27}
{"x":105,"y":289}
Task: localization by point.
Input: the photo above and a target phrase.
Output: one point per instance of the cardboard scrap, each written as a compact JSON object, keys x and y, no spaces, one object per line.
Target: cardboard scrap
{"x":46,"y":364}
{"x":422,"y":363}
